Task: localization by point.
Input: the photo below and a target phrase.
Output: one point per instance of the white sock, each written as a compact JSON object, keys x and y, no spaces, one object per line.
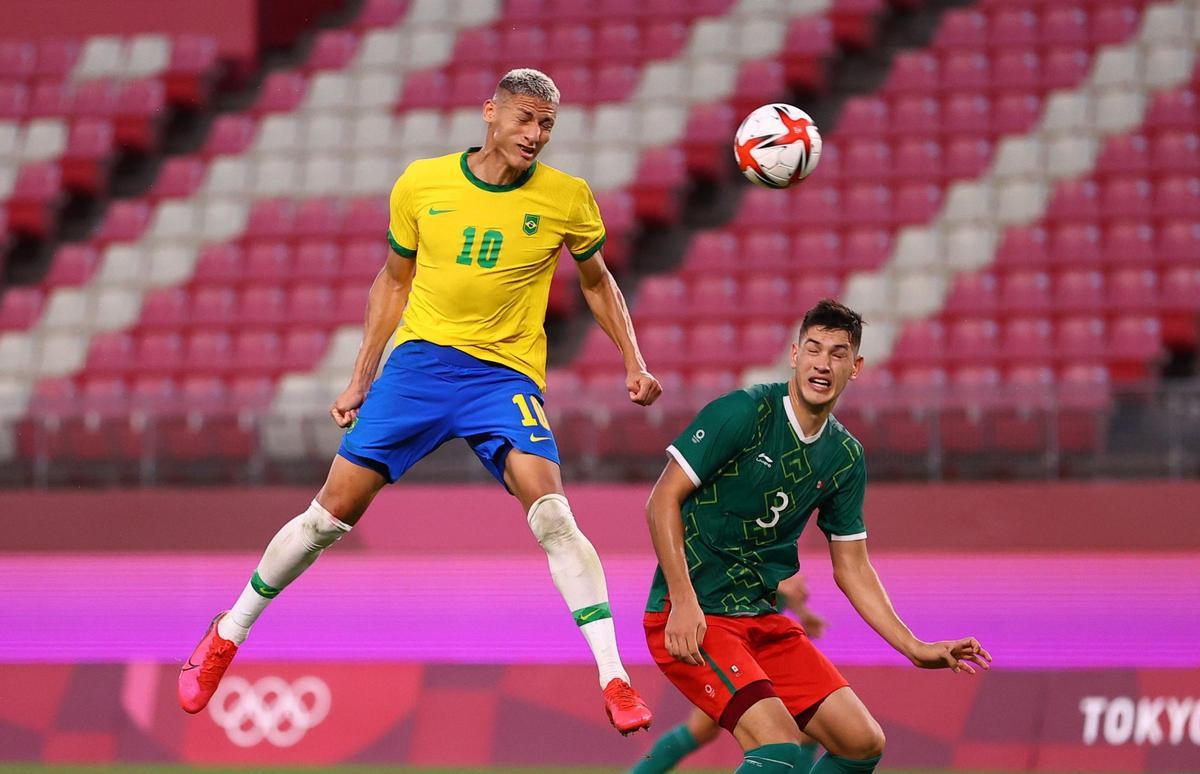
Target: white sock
{"x":292,"y":551}
{"x":577,"y":573}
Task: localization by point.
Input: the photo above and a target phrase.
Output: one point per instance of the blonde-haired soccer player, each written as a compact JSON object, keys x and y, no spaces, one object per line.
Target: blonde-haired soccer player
{"x":475,"y":237}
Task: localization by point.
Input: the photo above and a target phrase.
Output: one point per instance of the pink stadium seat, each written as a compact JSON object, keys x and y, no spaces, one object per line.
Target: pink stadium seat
{"x":763,"y":207}
{"x":865,"y":116}
{"x":312,"y":303}
{"x":972,"y":341}
{"x":617,"y":39}
{"x":1019,"y":422}
{"x":867,"y":203}
{"x":713,"y":345}
{"x":140,"y":112}
{"x":1083,"y":394}
{"x":209,"y":352}
{"x":1129,"y":242}
{"x":664,"y":344}
{"x":917,"y":114}
{"x":366,"y":218}
{"x":575,"y":80}
{"x":1127,"y":198}
{"x":1176,"y":197}
{"x":1133,"y":291}
{"x":351,"y":303}
{"x":817,"y":205}
{"x":316,"y":261}
{"x":257,"y":352}
{"x":663,"y":297}
{"x":105,"y":395}
{"x":1174,"y":109}
{"x":1074,"y":244}
{"x":1023,"y":247}
{"x":709,"y":128}
{"x":1181,"y":289}
{"x":966,"y":157}
{"x":1125,"y":155}
{"x":763,"y":342}
{"x":282,"y":92}
{"x":192,"y":70}
{"x":206,"y":394}
{"x":568,"y":43}
{"x":333,"y":50}
{"x":165,"y":308}
{"x":664,"y":39}
{"x":20,"y":307}
{"x":125,"y":221}
{"x":53,"y":98}
{"x":965,"y":424}
{"x":1025,"y":293}
{"x":180,"y":177}
{"x":14,"y":101}
{"x":865,"y":159}
{"x":1079,"y":292}
{"x":73,"y":264}
{"x":303,"y":349}
{"x":966,"y":71}
{"x":156,"y":395}
{"x":231,"y":135}
{"x":1133,"y":342}
{"x":766,"y":295}
{"x":55,"y":396}
{"x":218,"y":264}
{"x":1078,"y":339}
{"x":35,"y":197}
{"x":973,"y":294}
{"x":17,"y":59}
{"x":765,"y":250}
{"x":56,"y":58}
{"x":1013,"y":27}
{"x":85,"y":160}
{"x":1063,"y":25}
{"x":818,"y":250}
{"x":159,"y":352}
{"x":1176,"y":152}
{"x":758,"y":83}
{"x":917,"y":159}
{"x":1075,"y":200}
{"x":526,"y":11}
{"x":1112,"y":24}
{"x":917,"y":203}
{"x":708,"y":294}
{"x":967,"y":114}
{"x":96,"y":99}
{"x":1064,"y":67}
{"x":807,"y":44}
{"x":962,"y":28}
{"x":1179,"y":242}
{"x":1015,"y":113}
{"x":712,"y":251}
{"x":913,"y":71}
{"x":811,"y":288}
{"x":267,"y":262}
{"x":921,"y":342}
{"x":426,"y":89}
{"x":214,"y":307}
{"x":1016,"y":70}
{"x":271,"y":219}
{"x":262,"y":306}
{"x":470,"y":86}
{"x":362,"y":260}
{"x":1026,"y":339}
{"x":615,"y":82}
{"x":661,"y":171}
{"x":381,"y":13}
{"x":866,"y":249}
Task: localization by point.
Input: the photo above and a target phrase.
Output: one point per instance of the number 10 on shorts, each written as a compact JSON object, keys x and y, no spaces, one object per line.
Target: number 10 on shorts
{"x":531,"y":418}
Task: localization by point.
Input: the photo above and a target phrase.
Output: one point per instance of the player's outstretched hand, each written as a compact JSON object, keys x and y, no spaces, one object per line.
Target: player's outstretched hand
{"x":952,"y":654}
{"x":643,"y":388}
{"x":814,"y":625}
{"x":345,"y":407}
{"x":685,"y":632}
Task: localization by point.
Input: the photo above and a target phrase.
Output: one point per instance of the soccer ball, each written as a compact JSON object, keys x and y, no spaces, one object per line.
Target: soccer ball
{"x":777,"y":145}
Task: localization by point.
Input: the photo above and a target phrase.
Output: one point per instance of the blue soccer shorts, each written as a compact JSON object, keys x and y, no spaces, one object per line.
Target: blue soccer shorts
{"x":428,"y":394}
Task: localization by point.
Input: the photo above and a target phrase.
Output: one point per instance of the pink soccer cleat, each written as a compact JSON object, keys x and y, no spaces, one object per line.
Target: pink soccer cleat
{"x":626,"y":710}
{"x":200,"y":676}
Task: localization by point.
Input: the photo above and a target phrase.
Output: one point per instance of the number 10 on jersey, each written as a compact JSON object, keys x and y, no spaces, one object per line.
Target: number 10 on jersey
{"x":489,"y":247}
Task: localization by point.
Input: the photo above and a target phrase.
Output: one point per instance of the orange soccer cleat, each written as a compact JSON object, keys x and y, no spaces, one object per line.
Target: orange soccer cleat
{"x":626,"y":710}
{"x":199,"y":677}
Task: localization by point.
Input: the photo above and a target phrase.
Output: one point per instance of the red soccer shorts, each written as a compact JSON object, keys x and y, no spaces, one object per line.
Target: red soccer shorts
{"x":747,"y":660}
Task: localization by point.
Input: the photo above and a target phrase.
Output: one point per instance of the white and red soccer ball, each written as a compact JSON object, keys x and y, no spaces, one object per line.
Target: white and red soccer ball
{"x":777,"y":145}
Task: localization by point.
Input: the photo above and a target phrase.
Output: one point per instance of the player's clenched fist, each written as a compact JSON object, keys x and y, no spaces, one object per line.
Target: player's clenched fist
{"x":345,"y":408}
{"x":643,"y":388}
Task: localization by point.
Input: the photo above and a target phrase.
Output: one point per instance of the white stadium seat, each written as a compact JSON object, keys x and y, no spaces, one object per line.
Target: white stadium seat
{"x":1120,"y":111}
{"x":170,"y":265}
{"x":969,"y":247}
{"x":712,"y":39}
{"x":1165,"y":24}
{"x":17,"y":353}
{"x":760,"y":38}
{"x":115,"y":308}
{"x":9,"y":139}
{"x":1067,"y":112}
{"x":1169,"y":66}
{"x":147,"y":56}
{"x":430,"y":48}
{"x":1020,"y":202}
{"x":473,"y":13}
{"x":373,"y":173}
{"x":228,"y":176}
{"x":278,"y":133}
{"x":662,"y":81}
{"x":1119,"y":66}
{"x":376,"y":90}
{"x":710,"y":80}
{"x":60,"y":354}
{"x":223,"y":220}
{"x":275,"y":176}
{"x":325,"y":132}
{"x":918,"y":248}
{"x":122,"y":265}
{"x":323,"y":175}
{"x":383,"y":49}
{"x":968,"y":202}
{"x":329,"y":91}
{"x":869,"y":294}
{"x":466,"y":130}
{"x":66,"y":309}
{"x":613,"y":167}
{"x":374,"y":131}
{"x":918,"y":294}
{"x":103,"y":56}
{"x":8,"y":178}
{"x":616,"y":124}
{"x":44,"y":139}
{"x":661,"y":124}
{"x":174,"y":220}
{"x":1070,"y":156}
{"x":1019,"y":156}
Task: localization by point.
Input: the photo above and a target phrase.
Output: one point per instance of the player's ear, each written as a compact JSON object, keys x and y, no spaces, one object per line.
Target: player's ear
{"x":858,"y":364}
{"x":795,"y":353}
{"x":489,"y":109}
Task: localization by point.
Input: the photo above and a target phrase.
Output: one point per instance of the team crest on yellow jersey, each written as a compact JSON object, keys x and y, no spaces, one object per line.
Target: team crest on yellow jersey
{"x":531,"y":224}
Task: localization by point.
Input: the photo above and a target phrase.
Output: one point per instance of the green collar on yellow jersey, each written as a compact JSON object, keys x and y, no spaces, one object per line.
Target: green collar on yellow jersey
{"x":520,"y":181}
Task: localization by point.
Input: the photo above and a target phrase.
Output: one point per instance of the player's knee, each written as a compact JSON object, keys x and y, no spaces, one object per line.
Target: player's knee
{"x":321,"y":528}
{"x":551,"y":520}
{"x":868,"y":744}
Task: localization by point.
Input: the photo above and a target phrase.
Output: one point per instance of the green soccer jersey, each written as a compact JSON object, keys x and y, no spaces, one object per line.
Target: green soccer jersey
{"x":758,"y":480}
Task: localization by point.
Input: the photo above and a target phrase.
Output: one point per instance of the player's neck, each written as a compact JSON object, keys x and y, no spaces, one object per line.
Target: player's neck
{"x":488,"y":165}
{"x":810,"y":418}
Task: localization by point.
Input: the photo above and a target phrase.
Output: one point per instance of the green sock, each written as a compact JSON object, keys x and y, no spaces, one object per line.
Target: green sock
{"x":769,"y":759}
{"x":805,"y":758}
{"x":832,"y":764}
{"x":667,"y":752}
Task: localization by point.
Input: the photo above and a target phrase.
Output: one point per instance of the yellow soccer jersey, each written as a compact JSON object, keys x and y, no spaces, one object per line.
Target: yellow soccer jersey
{"x":486,"y":254}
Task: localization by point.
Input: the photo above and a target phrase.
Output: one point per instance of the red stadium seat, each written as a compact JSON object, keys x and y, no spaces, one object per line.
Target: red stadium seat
{"x":214,"y":307}
{"x":617,"y":39}
{"x":966,"y":71}
{"x":817,"y":205}
{"x":1179,"y":242}
{"x":333,"y":50}
{"x":663,"y":344}
{"x":1025,"y":293}
{"x":1176,"y":197}
{"x":1083,"y":394}
{"x":818,"y":250}
{"x":913,"y":71}
{"x":362,"y":260}
{"x":139,"y":112}
{"x":180,"y":177}
{"x":192,"y":70}
{"x":125,"y":222}
{"x":864,"y":159}
{"x":1015,"y":113}
{"x":267,"y":262}
{"x":1080,"y":339}
{"x":232,"y":134}
{"x":282,"y":92}
{"x":85,"y":160}
{"x":917,"y":159}
{"x":865,"y":117}
{"x":35,"y":198}
{"x":962,"y":28}
{"x":972,"y":342}
{"x":758,"y":83}
{"x":868,"y":204}
{"x":1129,"y":243}
{"x":1133,"y":291}
{"x":764,"y":342}
{"x":351,"y":303}
{"x":159,"y":353}
{"x":381,"y":13}
{"x":17,"y":59}
{"x":209,"y":352}
{"x":1123,"y":156}
{"x":1175,"y":152}
{"x":1133,"y":342}
{"x":713,"y":293}
{"x":366,"y":218}
{"x":470,"y":86}
{"x":615,"y":82}
{"x":1064,"y":67}
{"x":1013,"y":27}
{"x":766,"y":295}
{"x":257,"y":352}
{"x":1075,"y":244}
{"x":1075,"y":201}
{"x":1023,"y":247}
{"x":966,"y":157}
{"x":664,"y":39}
{"x":811,"y":288}
{"x":1079,"y":292}
{"x":662,"y":298}
{"x":1016,"y":70}
{"x":1128,"y":198}
{"x":155,"y":395}
{"x":303,"y":349}
{"x":262,"y":306}
{"x":713,"y":345}
{"x":271,"y":219}
{"x":712,"y":251}
{"x":20,"y":307}
{"x":866,"y":249}
{"x":921,"y":343}
{"x":1172,"y":110}
{"x":1026,"y":340}
{"x":1111,"y":24}
{"x":918,"y":115}
{"x":965,"y":424}
{"x":95,"y":99}
{"x":709,"y":128}
{"x":110,"y":353}
{"x":765,"y":250}
{"x":967,"y":114}
{"x":763,"y":207}
{"x":1063,"y":25}
{"x":568,"y":43}
{"x":14,"y":101}
{"x":917,"y":203}
{"x":316,"y":261}
{"x":1020,"y":420}
{"x":1178,"y":305}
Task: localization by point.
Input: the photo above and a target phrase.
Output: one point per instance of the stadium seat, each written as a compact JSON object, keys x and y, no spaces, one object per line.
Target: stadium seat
{"x":73,"y":264}
{"x":160,"y":352}
{"x":1026,"y":340}
{"x":1025,"y":293}
{"x":922,"y":343}
{"x":974,"y":294}
{"x":1074,"y":244}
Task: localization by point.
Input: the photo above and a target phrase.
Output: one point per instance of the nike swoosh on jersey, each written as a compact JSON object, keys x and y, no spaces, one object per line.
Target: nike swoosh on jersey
{"x":432,"y":211}
{"x":536,"y":438}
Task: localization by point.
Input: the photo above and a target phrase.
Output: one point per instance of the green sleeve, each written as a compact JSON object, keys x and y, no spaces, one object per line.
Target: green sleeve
{"x":717,"y":435}
{"x":840,"y":516}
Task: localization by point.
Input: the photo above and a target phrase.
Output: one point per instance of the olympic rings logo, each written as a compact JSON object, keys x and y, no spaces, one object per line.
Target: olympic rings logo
{"x":270,"y":709}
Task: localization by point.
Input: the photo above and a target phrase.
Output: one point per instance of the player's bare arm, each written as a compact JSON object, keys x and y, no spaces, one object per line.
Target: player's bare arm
{"x":385,"y":306}
{"x":607,"y":303}
{"x":685,"y":623}
{"x":856,"y":577}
